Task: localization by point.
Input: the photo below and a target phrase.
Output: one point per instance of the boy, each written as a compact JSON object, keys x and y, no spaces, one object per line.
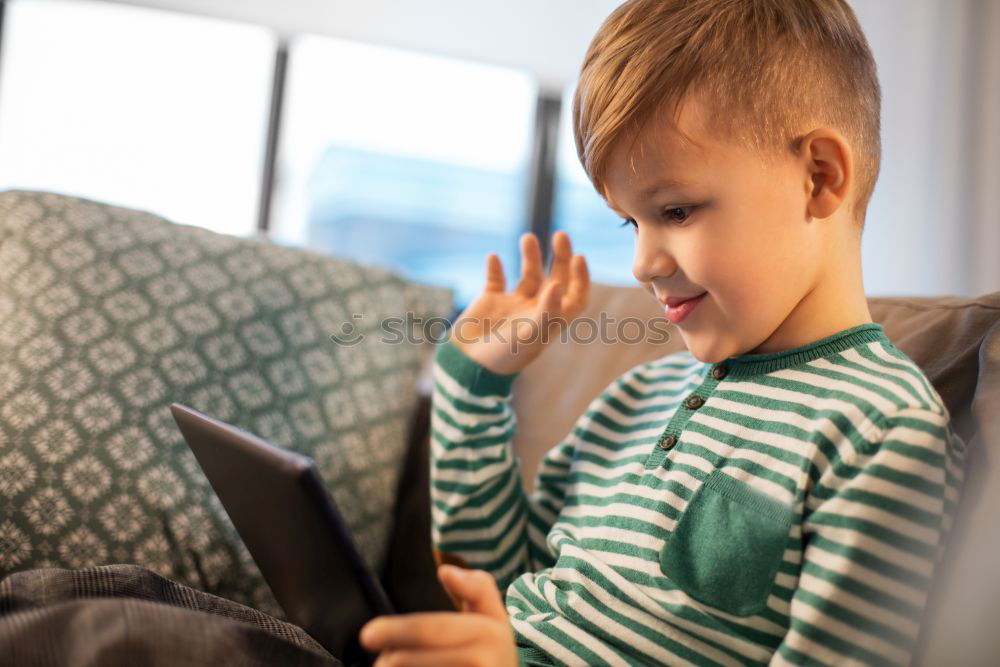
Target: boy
{"x":777,"y":493}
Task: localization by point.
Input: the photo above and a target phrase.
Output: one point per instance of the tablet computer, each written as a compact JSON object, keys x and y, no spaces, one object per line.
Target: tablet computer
{"x":292,"y":528}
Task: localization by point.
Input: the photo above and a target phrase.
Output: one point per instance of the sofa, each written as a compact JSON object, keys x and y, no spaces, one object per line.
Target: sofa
{"x":108,"y":314}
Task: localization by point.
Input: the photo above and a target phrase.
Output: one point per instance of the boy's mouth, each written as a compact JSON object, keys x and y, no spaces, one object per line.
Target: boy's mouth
{"x":674,"y":301}
{"x":680,"y":307}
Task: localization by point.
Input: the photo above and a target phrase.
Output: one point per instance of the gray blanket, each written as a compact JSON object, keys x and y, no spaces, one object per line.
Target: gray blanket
{"x":127,"y":615}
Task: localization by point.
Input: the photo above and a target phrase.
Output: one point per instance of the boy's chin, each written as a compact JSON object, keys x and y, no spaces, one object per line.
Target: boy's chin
{"x":705,"y":348}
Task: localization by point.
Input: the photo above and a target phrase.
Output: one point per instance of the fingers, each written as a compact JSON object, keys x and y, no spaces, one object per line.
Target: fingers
{"x":562,"y":253}
{"x":578,"y":291}
{"x":566,"y":268}
{"x":423,"y":658}
{"x":495,"y":281}
{"x":477,"y":589}
{"x":430,"y":630}
{"x":532,"y":272}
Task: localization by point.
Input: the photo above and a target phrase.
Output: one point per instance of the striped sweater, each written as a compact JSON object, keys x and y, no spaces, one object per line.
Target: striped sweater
{"x":782,"y":508}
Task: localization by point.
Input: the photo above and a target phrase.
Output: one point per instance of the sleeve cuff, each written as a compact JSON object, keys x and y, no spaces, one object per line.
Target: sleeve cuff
{"x":477,"y":379}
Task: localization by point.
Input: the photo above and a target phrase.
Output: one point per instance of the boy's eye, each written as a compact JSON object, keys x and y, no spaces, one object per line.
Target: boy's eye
{"x":669,"y":214}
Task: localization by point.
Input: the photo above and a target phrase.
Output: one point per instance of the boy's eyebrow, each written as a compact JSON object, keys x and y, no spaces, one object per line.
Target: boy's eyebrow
{"x":667,"y":185}
{"x":663,"y":186}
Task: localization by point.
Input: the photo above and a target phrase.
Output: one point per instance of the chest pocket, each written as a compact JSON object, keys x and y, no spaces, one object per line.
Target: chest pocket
{"x":726,"y":548}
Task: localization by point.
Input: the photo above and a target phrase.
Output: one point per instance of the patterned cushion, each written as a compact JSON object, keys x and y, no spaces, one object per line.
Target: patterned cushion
{"x":107,"y":315}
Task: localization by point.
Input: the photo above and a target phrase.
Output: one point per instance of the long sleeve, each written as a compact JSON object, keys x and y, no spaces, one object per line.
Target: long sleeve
{"x":480,"y":511}
{"x":872,"y":533}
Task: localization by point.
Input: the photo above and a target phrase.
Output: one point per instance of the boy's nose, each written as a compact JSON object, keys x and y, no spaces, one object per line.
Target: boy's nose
{"x":652,"y":260}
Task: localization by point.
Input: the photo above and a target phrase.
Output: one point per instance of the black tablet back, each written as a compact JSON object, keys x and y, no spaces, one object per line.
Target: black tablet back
{"x":291,"y":527}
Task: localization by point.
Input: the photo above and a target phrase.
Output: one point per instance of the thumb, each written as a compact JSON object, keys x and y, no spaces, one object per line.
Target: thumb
{"x":551,"y":298}
{"x":476,"y":589}
{"x":550,"y":308}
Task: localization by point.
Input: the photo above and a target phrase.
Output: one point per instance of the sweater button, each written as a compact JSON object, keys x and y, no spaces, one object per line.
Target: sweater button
{"x":694,"y":402}
{"x":719,"y":372}
{"x":668,"y":442}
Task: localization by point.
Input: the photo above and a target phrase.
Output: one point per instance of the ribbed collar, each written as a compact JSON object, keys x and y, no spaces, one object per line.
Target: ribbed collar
{"x":743,"y":365}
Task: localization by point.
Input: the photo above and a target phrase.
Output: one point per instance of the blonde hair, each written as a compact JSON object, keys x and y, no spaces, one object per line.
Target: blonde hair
{"x":767,"y":69}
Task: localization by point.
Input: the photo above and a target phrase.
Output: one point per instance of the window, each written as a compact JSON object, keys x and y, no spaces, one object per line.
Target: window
{"x":142,"y":108}
{"x":593,"y":228}
{"x":414,"y":162}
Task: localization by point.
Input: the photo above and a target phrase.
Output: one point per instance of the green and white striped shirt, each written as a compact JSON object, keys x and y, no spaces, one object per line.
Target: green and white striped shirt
{"x":782,"y":508}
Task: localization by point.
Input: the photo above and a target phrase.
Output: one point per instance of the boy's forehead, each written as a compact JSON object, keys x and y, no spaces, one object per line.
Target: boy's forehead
{"x":659,"y":157}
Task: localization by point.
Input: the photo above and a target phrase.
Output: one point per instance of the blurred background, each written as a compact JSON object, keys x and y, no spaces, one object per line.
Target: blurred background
{"x":422,"y":135}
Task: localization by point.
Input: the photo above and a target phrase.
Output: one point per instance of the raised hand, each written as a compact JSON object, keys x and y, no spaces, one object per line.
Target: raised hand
{"x":504,"y":331}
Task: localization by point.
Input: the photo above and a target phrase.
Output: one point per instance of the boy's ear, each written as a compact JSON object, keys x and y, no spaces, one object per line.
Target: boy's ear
{"x":829,"y":169}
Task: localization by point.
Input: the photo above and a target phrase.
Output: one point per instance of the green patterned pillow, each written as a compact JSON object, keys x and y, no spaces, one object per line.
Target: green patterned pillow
{"x":107,"y":315}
